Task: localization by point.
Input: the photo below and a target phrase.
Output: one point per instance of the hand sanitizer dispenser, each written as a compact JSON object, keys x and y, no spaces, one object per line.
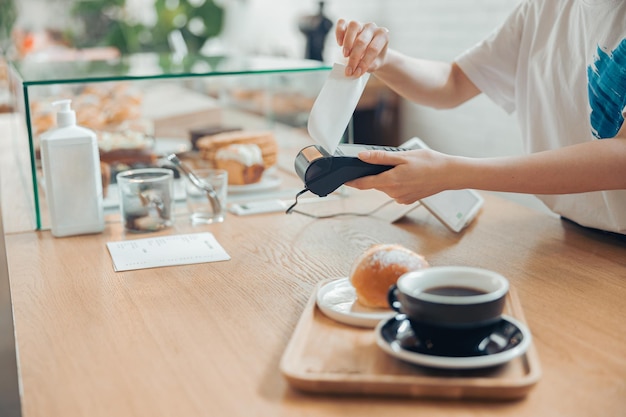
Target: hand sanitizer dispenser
{"x":72,"y":178}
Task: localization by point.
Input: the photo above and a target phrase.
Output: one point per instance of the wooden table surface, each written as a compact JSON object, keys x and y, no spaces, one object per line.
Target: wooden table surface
{"x":207,"y":339}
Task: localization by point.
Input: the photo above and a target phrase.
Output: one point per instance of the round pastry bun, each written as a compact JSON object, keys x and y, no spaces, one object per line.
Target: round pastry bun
{"x":378,"y":268}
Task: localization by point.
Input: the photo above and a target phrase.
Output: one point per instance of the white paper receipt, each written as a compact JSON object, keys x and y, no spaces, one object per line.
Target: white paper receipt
{"x":334,"y":106}
{"x":172,"y":250}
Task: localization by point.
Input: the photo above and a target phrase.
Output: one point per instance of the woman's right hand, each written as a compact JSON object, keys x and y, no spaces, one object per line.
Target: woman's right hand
{"x":365,"y":46}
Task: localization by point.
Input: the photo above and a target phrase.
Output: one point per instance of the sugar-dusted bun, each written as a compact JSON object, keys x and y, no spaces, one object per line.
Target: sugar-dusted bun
{"x":378,"y":268}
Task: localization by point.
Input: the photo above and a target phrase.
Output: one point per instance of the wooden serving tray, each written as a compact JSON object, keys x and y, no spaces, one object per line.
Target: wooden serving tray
{"x":325,"y":356}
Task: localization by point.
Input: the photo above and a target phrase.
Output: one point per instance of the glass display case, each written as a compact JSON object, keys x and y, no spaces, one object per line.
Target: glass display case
{"x":145,"y":106}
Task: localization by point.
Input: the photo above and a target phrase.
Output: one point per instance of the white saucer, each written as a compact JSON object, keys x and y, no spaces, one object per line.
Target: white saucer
{"x":511,"y":337}
{"x":269,"y":181}
{"x":337,"y":300}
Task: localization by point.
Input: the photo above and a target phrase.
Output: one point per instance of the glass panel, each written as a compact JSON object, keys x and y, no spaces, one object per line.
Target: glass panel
{"x":151,"y":103}
{"x":140,"y":66}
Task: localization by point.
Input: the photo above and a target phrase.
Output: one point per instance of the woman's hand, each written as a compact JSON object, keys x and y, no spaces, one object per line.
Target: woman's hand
{"x":416,"y":174}
{"x":365,"y":46}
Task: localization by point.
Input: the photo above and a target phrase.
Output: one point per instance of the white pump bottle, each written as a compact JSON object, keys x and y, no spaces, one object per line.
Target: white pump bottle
{"x":71,"y":169}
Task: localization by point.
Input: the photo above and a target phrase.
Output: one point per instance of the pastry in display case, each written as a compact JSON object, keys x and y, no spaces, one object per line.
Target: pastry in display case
{"x":243,"y":162}
{"x":244,"y":154}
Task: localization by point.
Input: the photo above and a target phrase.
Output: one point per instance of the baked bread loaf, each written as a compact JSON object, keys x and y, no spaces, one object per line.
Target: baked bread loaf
{"x":378,"y":268}
{"x":243,"y":162}
{"x":209,"y":145}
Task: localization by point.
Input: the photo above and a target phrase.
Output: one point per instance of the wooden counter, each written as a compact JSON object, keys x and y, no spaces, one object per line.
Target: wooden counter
{"x":207,"y":339}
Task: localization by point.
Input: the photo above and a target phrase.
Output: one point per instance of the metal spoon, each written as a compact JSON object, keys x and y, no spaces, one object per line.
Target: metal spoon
{"x":212,"y":195}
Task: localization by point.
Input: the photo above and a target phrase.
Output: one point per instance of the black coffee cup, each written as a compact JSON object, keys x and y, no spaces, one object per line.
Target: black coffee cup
{"x":450,"y":297}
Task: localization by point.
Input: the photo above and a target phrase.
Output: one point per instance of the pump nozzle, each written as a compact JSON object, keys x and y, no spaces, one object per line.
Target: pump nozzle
{"x":65,"y":115}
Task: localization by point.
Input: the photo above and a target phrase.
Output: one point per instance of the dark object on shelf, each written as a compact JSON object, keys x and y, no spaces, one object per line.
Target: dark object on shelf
{"x":315,"y":28}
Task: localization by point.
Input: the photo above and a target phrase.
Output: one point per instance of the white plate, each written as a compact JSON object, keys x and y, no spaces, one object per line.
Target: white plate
{"x":268,"y":182}
{"x":515,"y":342}
{"x":337,"y":300}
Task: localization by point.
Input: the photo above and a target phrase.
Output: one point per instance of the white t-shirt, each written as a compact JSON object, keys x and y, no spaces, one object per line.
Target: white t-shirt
{"x":561,"y":65}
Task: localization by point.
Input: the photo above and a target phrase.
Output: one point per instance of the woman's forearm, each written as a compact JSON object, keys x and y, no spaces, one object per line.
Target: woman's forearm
{"x":592,"y":166}
{"x":430,"y":83}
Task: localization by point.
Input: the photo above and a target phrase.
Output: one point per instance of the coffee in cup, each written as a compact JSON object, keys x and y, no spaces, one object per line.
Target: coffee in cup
{"x":451,"y":310}
{"x":451,"y":297}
